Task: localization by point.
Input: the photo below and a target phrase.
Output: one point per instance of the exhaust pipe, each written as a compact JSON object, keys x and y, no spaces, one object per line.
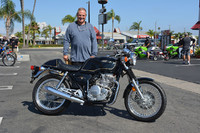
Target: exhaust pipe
{"x":63,"y":95}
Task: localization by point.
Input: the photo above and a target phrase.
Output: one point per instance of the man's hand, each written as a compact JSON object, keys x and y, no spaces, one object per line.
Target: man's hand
{"x":65,"y":57}
{"x":92,"y":56}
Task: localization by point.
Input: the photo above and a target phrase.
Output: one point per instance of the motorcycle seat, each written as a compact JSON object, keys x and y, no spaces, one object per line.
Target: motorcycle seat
{"x":58,"y":64}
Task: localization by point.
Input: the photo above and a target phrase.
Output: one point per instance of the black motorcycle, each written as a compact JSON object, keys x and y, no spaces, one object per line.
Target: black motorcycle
{"x":94,"y":83}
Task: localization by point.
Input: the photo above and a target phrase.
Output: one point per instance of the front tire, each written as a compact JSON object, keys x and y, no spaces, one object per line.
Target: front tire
{"x":47,"y":103}
{"x":8,"y":60}
{"x":153,"y":105}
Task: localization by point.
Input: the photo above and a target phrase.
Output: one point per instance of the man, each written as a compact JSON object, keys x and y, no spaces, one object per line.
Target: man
{"x":186,"y":48}
{"x":5,"y":41}
{"x":14,"y":43}
{"x":83,"y":41}
{"x":147,"y":44}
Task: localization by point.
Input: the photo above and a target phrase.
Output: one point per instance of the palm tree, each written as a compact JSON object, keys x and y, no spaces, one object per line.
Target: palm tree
{"x":35,"y":29}
{"x":28,"y":36}
{"x":8,"y":13}
{"x":23,"y":26}
{"x":136,"y":26}
{"x":50,"y":31}
{"x":150,"y":33}
{"x":45,"y":32}
{"x":68,"y":19}
{"x":18,"y":34}
{"x":111,"y":15}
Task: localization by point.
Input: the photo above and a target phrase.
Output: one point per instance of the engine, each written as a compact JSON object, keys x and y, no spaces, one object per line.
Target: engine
{"x":101,"y":87}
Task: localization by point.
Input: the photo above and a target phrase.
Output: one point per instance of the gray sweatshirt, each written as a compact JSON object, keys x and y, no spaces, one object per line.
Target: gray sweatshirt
{"x":83,"y":42}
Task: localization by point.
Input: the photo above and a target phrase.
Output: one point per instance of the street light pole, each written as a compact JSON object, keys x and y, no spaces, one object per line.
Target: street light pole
{"x":199,"y":29}
{"x":88,"y":11}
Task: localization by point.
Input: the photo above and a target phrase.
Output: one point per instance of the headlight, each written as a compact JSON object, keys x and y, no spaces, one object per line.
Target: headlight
{"x":133,"y":58}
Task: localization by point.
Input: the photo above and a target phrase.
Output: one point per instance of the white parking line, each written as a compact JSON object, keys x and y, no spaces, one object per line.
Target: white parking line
{"x":6,"y":87}
{"x":8,"y":74}
{"x":185,"y":65}
{"x":1,"y":118}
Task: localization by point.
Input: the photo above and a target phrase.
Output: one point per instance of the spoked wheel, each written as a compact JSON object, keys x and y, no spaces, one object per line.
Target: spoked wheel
{"x":48,"y":103}
{"x":155,"y":58}
{"x":14,"y":54}
{"x":151,"y":107}
{"x":8,"y":60}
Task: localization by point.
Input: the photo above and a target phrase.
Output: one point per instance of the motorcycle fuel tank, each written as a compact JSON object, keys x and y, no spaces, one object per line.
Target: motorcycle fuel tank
{"x":106,"y":64}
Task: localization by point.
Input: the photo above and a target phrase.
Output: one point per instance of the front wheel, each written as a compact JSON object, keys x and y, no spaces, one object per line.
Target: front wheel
{"x":151,"y":107}
{"x":8,"y":60}
{"x":48,"y":103}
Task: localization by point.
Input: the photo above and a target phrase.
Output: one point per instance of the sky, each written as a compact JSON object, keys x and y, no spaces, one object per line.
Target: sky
{"x":176,"y":15}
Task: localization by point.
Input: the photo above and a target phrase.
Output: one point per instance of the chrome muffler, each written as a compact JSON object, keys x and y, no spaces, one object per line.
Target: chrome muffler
{"x":62,"y":94}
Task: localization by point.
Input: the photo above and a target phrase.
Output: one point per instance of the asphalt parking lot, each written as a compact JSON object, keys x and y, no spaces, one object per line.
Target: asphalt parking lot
{"x":18,"y":113}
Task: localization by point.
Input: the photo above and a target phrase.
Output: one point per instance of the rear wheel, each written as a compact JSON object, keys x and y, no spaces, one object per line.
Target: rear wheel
{"x":8,"y":60}
{"x":48,"y":103}
{"x":151,"y":107}
{"x":155,"y":58}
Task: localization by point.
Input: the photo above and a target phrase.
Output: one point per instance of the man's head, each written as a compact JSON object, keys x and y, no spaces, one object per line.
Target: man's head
{"x":81,"y":16}
{"x":186,"y":34}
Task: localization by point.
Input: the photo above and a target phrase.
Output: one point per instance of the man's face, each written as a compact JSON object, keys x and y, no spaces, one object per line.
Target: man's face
{"x":81,"y":16}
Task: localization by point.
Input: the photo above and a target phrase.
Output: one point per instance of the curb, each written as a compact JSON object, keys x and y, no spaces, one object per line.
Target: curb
{"x":185,"y":85}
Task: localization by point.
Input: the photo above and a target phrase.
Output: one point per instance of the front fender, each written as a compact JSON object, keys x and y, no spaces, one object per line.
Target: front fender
{"x":129,"y":86}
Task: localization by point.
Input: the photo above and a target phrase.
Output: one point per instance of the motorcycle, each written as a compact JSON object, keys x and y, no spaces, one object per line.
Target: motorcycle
{"x":8,"y":58}
{"x":155,"y":53}
{"x":96,"y":83}
{"x":173,"y":51}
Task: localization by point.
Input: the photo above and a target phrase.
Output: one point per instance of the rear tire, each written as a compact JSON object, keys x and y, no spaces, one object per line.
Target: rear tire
{"x":155,"y":58}
{"x":153,"y":105}
{"x":47,"y":103}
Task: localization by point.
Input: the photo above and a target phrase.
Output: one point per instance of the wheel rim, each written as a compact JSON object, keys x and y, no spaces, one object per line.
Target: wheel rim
{"x":148,"y":107}
{"x":8,"y":60}
{"x":46,"y":100}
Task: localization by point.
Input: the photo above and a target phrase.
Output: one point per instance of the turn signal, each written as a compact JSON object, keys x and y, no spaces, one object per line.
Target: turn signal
{"x":133,"y":88}
{"x":125,"y":59}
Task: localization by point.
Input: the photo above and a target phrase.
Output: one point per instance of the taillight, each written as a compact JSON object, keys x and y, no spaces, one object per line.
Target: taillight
{"x":32,"y":67}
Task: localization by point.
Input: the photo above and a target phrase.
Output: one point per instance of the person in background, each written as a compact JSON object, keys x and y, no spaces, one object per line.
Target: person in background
{"x":5,"y":41}
{"x":82,"y":37}
{"x":186,"y":48}
{"x":180,"y":47}
{"x":147,"y":44}
{"x":14,"y":43}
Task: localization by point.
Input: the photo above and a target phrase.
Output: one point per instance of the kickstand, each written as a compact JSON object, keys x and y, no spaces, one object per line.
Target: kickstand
{"x":103,"y":111}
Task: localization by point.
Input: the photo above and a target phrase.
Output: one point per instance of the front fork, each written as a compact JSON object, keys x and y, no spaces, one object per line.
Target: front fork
{"x":135,"y":82}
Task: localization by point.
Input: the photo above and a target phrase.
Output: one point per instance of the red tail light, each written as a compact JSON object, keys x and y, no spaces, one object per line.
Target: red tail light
{"x":32,"y":67}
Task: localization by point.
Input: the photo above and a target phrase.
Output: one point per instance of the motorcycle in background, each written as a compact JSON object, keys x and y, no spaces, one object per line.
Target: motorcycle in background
{"x":155,"y":53}
{"x":173,"y":51}
{"x":96,"y":83}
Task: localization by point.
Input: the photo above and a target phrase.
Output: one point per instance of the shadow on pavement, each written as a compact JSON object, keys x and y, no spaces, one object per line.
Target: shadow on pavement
{"x":78,"y":110}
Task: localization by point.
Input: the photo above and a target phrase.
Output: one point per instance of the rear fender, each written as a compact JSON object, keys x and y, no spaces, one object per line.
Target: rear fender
{"x":129,"y":86}
{"x":38,"y":75}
